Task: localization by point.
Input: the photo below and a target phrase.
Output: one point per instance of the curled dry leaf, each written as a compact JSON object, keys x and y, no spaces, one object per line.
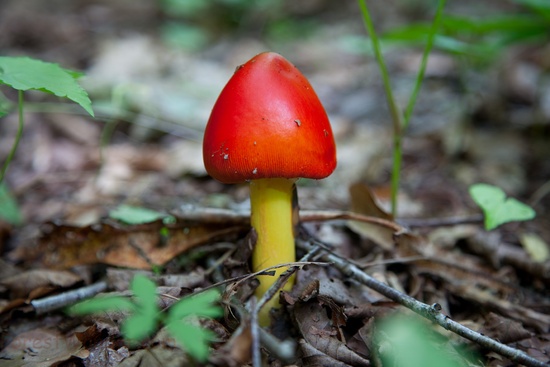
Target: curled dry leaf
{"x":363,"y":202}
{"x":503,"y":329}
{"x":237,"y":350}
{"x":312,"y":357}
{"x":319,"y":334}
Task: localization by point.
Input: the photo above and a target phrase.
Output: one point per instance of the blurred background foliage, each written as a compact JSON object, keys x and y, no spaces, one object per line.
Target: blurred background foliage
{"x":484,"y":35}
{"x":192,"y":24}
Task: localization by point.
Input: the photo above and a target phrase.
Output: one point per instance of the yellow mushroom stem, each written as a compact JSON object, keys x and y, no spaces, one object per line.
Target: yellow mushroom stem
{"x":272,"y":203}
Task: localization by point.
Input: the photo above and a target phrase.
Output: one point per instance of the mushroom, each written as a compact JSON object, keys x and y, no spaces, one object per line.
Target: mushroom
{"x":269,"y":128}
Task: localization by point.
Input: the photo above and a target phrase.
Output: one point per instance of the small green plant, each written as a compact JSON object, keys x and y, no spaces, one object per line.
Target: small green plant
{"x":400,"y":119}
{"x":407,"y":341}
{"x":9,"y":210}
{"x":145,"y":315}
{"x":497,"y":208}
{"x":22,"y":74}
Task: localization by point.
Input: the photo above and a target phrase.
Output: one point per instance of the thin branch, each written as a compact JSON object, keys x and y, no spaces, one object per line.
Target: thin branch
{"x":255,"y":332}
{"x":280,"y":282}
{"x":226,"y":216}
{"x":442,"y":222}
{"x":236,"y":281}
{"x":61,"y":300}
{"x":432,"y":313}
{"x":283,"y":350}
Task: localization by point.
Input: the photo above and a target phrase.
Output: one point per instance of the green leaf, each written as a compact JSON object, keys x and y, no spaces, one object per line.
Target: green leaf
{"x":138,"y":326}
{"x":24,"y":73}
{"x":102,"y":304}
{"x":497,"y":208}
{"x":143,"y":321}
{"x":9,"y":210}
{"x":491,"y":24}
{"x":138,"y":215}
{"x":145,"y":292}
{"x":193,"y":339}
{"x":406,"y":341}
{"x":200,"y":305}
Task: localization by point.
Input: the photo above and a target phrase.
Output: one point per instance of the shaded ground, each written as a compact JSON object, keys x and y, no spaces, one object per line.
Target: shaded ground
{"x":470,"y":125}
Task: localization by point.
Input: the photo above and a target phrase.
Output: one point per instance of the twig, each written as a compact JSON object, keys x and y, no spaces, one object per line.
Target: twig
{"x":280,"y":282}
{"x":432,"y":313}
{"x":441,"y":222}
{"x":324,"y":215}
{"x":58,"y":301}
{"x":283,"y":350}
{"x":270,"y":271}
{"x":226,"y":216}
{"x":255,"y":333}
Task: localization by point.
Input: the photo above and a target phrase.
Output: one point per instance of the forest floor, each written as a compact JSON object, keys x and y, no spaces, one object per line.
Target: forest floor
{"x":473,"y":122}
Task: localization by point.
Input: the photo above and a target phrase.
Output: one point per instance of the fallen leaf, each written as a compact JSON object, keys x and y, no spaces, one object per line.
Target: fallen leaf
{"x":21,"y":285}
{"x":504,"y":330}
{"x":139,"y":246}
{"x":41,"y":348}
{"x":535,"y":246}
{"x":156,"y":356}
{"x":316,"y":328}
{"x":363,"y":202}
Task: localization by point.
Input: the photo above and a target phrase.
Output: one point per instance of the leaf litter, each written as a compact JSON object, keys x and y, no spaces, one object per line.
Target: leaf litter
{"x":492,"y":282}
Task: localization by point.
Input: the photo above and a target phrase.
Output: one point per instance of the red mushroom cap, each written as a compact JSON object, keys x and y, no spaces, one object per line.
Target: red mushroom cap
{"x":268,"y":122}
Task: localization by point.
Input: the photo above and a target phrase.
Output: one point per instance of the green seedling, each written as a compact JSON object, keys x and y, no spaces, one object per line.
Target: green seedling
{"x":407,"y":341}
{"x":137,"y":215}
{"x":145,"y":316}
{"x":9,"y":210}
{"x":22,"y":74}
{"x":497,"y":208}
{"x":400,"y":119}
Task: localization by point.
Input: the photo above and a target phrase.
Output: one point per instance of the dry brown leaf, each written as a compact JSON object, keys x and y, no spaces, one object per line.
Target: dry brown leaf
{"x":119,"y":279}
{"x":104,"y":354}
{"x":156,"y":356}
{"x":140,"y":246}
{"x":331,"y":286}
{"x":41,"y":348}
{"x":317,"y":329}
{"x":312,"y":357}
{"x":38,"y":282}
{"x":498,"y":252}
{"x":237,"y":350}
{"x":454,"y":267}
{"x":363,"y":202}
{"x":504,"y":330}
{"x":487,"y":299}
